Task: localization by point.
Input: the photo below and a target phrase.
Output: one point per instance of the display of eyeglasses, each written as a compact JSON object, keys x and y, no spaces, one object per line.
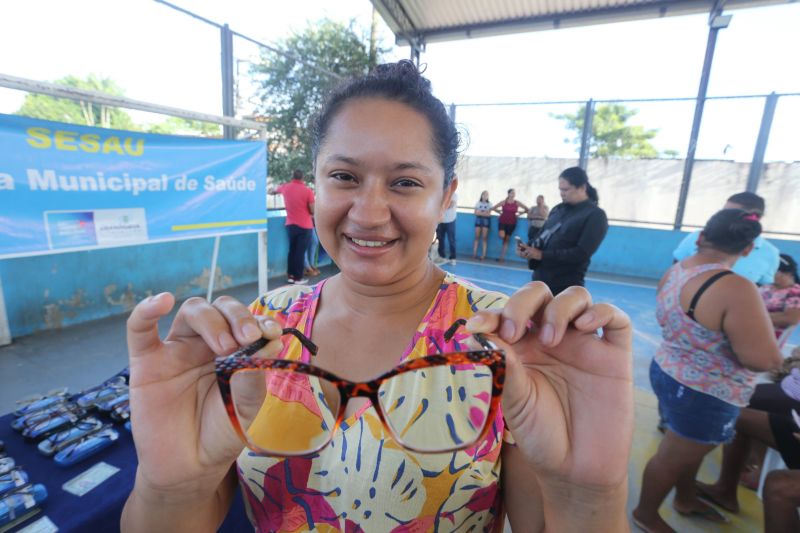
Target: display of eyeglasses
{"x":72,"y":427}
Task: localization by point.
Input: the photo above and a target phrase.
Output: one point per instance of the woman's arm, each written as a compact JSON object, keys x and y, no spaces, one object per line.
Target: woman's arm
{"x":150,"y":510}
{"x":785,"y":319}
{"x":521,"y":208}
{"x":522,"y":496}
{"x":746,"y":323}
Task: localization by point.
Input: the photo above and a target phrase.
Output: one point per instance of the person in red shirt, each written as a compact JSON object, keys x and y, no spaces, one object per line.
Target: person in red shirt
{"x":299,"y":201}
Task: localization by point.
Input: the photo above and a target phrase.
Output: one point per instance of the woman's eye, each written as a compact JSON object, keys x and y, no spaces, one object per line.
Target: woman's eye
{"x":342,"y":176}
{"x":406,"y":182}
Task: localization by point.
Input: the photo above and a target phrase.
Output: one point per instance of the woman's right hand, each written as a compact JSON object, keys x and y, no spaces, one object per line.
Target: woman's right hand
{"x":184,"y":440}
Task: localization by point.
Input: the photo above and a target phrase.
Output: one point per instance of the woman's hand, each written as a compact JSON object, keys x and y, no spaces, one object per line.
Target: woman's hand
{"x":568,"y":396}
{"x":184,"y":441}
{"x":528,"y":252}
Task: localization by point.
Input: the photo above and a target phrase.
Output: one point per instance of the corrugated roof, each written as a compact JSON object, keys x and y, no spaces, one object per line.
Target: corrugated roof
{"x":443,"y":20}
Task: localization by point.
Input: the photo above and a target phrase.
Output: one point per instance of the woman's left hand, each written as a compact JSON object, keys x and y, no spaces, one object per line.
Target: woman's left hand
{"x":568,"y":396}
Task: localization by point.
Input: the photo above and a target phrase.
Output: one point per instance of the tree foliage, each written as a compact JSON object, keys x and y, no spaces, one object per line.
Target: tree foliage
{"x":291,"y":91}
{"x":47,"y":107}
{"x":612,"y":136}
{"x":182,"y":126}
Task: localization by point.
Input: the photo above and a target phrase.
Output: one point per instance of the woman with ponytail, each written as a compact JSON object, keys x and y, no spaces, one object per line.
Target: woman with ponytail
{"x":561,"y":252}
{"x":717,"y":336}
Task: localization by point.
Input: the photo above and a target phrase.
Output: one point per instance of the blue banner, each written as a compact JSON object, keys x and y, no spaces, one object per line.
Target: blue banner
{"x":76,"y":187}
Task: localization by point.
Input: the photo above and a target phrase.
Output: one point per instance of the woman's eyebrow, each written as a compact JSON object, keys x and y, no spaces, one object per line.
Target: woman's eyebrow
{"x":406,"y":165}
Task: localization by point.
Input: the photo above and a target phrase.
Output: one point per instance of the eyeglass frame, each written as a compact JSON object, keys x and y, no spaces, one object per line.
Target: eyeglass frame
{"x":244,"y":360}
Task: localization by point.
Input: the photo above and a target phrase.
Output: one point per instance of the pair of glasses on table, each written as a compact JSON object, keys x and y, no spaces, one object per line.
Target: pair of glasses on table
{"x":433,"y":404}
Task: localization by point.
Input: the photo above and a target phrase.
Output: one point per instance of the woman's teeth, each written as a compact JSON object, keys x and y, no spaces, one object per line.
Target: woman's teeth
{"x":369,"y":244}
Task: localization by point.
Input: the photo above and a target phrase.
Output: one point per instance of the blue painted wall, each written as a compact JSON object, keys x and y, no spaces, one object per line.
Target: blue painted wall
{"x":52,"y":291}
{"x":58,"y":290}
{"x":626,"y":251}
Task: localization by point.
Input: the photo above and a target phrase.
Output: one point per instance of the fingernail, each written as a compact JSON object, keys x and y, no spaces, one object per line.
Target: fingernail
{"x":585,"y":320}
{"x":226,"y":341}
{"x":546,"y":334}
{"x":474,"y":323}
{"x":251,"y":332}
{"x":507,"y":330}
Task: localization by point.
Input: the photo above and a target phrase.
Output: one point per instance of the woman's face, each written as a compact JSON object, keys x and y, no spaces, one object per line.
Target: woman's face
{"x":379,"y":190}
{"x":569,"y":193}
{"x":783,"y":279}
{"x":485,"y":196}
{"x":511,"y":195}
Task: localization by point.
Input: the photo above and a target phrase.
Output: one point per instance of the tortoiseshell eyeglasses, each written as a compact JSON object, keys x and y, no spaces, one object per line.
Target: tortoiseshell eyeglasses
{"x":433,"y":404}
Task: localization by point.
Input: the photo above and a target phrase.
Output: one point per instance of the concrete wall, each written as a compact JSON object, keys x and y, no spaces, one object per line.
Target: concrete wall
{"x":644,"y":190}
{"x":53,"y":291}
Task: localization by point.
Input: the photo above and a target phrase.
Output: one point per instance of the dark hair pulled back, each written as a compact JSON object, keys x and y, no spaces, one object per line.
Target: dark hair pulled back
{"x":731,"y":230}
{"x":788,"y":265}
{"x":577,"y":177}
{"x":399,"y":82}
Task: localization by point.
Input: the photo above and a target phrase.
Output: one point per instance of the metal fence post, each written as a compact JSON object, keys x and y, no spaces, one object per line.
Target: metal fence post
{"x":757,"y":167}
{"x":228,"y":107}
{"x":716,"y":22}
{"x":586,"y":134}
{"x":452,"y":112}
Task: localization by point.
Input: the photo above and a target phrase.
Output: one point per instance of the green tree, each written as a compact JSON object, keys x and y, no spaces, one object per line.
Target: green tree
{"x":612,"y":136}
{"x":79,"y":112}
{"x":290,"y":91}
{"x":182,"y":126}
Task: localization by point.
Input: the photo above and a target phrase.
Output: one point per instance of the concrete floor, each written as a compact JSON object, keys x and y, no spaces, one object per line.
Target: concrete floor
{"x":84,"y":355}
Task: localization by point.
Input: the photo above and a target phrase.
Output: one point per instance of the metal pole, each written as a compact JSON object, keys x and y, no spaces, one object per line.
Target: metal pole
{"x":228,"y":107}
{"x":757,"y":166}
{"x":713,"y":29}
{"x":586,"y":134}
{"x":263,"y":264}
{"x":452,"y":113}
{"x":213,"y":274}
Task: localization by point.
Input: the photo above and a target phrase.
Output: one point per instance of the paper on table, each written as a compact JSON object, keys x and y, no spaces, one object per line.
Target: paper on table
{"x":86,"y":481}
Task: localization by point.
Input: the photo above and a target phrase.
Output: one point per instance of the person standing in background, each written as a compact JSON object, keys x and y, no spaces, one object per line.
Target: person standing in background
{"x":561,"y":252}
{"x":299,"y":201}
{"x":508,"y":209}
{"x":483,"y":218}
{"x":760,"y":265}
{"x":447,"y":228}
{"x":536,"y":217}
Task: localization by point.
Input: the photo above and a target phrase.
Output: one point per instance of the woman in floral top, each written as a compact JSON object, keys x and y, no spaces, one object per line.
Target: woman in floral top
{"x":384,"y":153}
{"x":782,"y":298}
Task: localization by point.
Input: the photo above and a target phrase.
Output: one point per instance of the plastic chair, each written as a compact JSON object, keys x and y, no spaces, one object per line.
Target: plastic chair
{"x":785,"y":336}
{"x":772,"y":461}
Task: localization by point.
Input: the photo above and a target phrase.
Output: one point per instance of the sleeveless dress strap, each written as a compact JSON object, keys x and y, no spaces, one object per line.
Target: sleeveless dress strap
{"x":703,"y":288}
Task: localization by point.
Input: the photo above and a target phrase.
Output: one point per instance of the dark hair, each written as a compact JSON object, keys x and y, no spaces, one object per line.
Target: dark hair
{"x":750,"y":201}
{"x":510,"y":191}
{"x":731,"y":230}
{"x":577,"y":177}
{"x":788,"y":265}
{"x":297,"y":174}
{"x":399,"y":82}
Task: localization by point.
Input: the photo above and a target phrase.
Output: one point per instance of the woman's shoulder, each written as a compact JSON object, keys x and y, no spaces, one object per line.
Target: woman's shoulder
{"x":277,"y":302}
{"x":475,"y":297}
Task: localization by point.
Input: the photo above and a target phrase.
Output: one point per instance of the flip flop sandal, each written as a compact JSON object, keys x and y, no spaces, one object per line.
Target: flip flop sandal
{"x":709,"y":513}
{"x":710,"y":499}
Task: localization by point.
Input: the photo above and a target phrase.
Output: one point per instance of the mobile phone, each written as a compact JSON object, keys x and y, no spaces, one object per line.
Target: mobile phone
{"x":796,"y":418}
{"x":518,"y":239}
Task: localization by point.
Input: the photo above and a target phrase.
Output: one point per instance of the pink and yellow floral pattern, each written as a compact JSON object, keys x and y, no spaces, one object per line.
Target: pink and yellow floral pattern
{"x":364,"y":480}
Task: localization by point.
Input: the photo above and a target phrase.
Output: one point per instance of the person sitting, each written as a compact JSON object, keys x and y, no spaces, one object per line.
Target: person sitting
{"x":760,"y":264}
{"x":782,"y":297}
{"x":330,"y":454}
{"x":716,"y":337}
{"x":766,"y":420}
{"x":781,"y":500}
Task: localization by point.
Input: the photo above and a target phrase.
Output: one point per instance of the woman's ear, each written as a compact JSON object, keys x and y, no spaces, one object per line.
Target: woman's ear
{"x":449,"y":191}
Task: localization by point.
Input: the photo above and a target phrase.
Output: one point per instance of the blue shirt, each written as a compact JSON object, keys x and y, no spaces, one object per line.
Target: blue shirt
{"x":759,"y":266}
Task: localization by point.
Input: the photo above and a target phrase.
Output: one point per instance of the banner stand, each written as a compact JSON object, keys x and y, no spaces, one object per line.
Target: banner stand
{"x":263,"y":271}
{"x":5,"y":331}
{"x":213,"y":274}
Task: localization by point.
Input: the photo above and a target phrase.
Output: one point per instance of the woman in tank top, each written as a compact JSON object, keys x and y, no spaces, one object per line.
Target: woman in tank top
{"x":483,"y":217}
{"x":716,"y":336}
{"x":509,"y":209}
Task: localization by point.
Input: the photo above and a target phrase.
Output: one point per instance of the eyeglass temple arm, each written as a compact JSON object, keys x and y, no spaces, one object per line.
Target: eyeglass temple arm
{"x":260,"y":343}
{"x":480,"y":338}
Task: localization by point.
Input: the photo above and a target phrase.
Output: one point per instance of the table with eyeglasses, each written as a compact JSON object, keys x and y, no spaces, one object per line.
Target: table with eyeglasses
{"x":98,"y":510}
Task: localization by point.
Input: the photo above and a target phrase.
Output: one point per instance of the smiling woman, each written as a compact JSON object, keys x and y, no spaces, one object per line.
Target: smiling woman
{"x":309,"y":448}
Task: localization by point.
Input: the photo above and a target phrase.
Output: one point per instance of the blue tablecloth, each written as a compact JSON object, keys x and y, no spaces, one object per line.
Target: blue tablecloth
{"x":99,"y":510}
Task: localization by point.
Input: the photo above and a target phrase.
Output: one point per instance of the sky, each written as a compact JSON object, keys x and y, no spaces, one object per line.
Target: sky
{"x":159,"y":55}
